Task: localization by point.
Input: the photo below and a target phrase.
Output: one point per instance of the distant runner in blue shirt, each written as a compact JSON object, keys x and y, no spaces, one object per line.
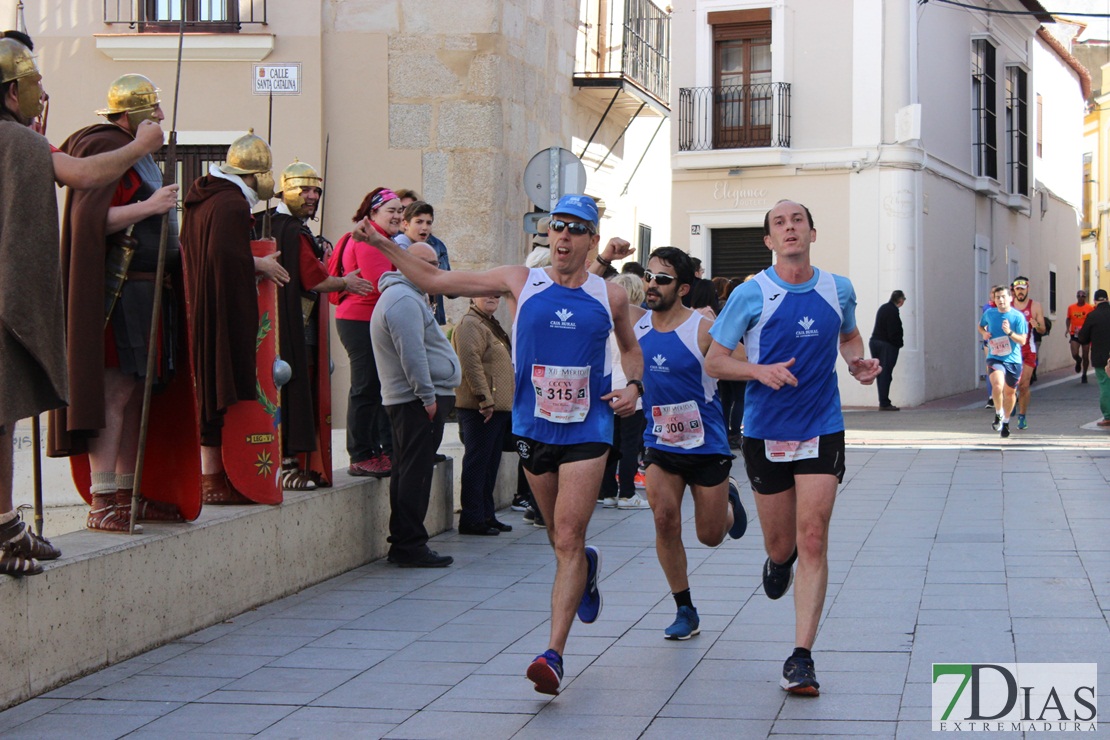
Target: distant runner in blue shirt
{"x":793,"y":319}
{"x":1005,"y":332}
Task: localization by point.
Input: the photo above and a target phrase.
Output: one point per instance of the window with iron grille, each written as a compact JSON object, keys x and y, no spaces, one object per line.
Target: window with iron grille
{"x":984,"y":108}
{"x":192,"y":163}
{"x":201,"y":16}
{"x":1017,"y":131}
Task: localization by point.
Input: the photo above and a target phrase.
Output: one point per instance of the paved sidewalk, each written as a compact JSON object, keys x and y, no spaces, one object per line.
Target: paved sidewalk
{"x":948,"y":545}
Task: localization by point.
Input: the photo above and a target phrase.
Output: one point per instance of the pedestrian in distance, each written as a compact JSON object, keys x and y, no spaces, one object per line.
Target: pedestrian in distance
{"x":886,"y":341}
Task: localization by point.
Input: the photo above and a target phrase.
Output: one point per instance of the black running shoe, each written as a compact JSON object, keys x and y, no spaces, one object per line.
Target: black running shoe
{"x":777,"y":578}
{"x":798,"y":677}
{"x":997,"y":423}
{"x":1005,"y":430}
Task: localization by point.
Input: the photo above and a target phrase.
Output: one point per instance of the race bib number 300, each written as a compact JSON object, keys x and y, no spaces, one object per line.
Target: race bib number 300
{"x":562,"y":393}
{"x":678,"y":425}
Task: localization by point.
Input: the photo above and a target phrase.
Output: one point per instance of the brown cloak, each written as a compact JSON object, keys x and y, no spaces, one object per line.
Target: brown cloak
{"x":221,"y":294}
{"x":83,"y":254}
{"x":32,"y":327}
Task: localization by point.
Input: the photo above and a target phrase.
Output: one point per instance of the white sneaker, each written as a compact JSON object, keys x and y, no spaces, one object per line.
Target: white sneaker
{"x":609,"y":503}
{"x":632,"y":502}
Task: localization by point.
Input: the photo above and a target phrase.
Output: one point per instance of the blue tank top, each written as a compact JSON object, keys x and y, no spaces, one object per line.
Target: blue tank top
{"x":778,"y":321}
{"x":561,"y":360}
{"x":683,"y":411}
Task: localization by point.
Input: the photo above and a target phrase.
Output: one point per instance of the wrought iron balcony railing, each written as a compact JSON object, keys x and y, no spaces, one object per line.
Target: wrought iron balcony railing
{"x":734,"y":117}
{"x":633,"y":42}
{"x":201,"y":16}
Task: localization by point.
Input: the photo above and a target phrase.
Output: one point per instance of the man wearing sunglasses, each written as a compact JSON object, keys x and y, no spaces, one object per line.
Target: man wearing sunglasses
{"x":563,"y":405}
{"x":686,"y":441}
{"x":793,"y":320}
{"x":1034,"y":316}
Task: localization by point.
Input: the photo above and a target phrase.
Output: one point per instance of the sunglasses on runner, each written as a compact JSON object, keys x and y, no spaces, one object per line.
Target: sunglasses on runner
{"x":659,"y":278}
{"x":576,"y":228}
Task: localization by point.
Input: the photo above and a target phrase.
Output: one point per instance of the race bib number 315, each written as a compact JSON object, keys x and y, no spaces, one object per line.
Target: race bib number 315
{"x":562,"y":393}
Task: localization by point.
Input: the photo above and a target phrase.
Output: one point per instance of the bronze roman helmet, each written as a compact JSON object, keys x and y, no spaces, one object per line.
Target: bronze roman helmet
{"x":16,"y":63}
{"x":250,"y":155}
{"x":134,"y":95}
{"x":294,"y":179}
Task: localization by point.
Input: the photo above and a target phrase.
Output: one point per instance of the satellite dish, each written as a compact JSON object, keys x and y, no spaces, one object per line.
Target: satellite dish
{"x":551,"y":174}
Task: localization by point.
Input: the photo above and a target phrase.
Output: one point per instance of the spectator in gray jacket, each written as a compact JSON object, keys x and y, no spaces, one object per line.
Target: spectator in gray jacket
{"x":419,"y":372}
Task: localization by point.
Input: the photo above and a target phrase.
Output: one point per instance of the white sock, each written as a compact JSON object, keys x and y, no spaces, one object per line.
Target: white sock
{"x":103,"y":483}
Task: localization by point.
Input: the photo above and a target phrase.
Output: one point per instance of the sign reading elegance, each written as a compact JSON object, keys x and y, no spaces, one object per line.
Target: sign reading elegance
{"x":1015,"y":697}
{"x":279,"y":79}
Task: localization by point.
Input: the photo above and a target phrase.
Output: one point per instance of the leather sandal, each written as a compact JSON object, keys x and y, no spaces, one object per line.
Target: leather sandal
{"x":29,"y":545}
{"x":17,"y":566}
{"x":105,"y":516}
{"x":217,"y":490}
{"x":295,"y":479}
{"x":148,"y":509}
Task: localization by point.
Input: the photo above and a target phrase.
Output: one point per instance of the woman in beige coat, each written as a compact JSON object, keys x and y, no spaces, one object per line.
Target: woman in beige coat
{"x":484,"y":402}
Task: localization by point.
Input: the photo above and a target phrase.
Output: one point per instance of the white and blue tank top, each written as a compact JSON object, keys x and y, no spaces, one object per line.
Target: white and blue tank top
{"x":681,"y":405}
{"x":777,"y":321}
{"x":562,"y":363}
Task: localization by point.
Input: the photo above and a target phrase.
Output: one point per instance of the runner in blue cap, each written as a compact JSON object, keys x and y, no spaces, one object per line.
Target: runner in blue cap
{"x":564,"y":403}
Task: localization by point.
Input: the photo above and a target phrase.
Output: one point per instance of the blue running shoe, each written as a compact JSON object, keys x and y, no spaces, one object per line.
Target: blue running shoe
{"x":798,"y":677}
{"x":739,"y":516}
{"x":546,"y":672}
{"x":591,"y":597}
{"x":1021,"y":422}
{"x":686,"y":624}
{"x":778,"y":577}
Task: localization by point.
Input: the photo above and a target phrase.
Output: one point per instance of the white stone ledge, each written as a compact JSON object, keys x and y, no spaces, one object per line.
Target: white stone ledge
{"x":111,"y":597}
{"x":197,"y":47}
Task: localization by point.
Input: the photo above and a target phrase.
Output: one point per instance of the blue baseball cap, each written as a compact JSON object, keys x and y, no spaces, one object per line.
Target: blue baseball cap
{"x":582,"y":206}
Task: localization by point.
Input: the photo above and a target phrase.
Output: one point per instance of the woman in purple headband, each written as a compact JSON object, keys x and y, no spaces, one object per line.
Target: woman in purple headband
{"x":369,"y":438}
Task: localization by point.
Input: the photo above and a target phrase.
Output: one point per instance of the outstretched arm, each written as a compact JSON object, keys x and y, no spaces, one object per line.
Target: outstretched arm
{"x":508,"y":279}
{"x":85,"y":173}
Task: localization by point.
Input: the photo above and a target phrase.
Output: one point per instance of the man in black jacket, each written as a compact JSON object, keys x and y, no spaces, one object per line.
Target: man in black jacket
{"x":1096,"y":331}
{"x":885,"y":342}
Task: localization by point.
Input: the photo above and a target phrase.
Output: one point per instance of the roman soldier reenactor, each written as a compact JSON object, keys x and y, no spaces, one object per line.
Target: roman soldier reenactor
{"x":220,"y":272}
{"x":304,"y":334}
{"x":114,"y":231}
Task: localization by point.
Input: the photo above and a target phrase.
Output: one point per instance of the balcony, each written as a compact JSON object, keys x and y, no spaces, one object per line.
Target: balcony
{"x":146,"y":31}
{"x":624,"y":56}
{"x":201,"y":16}
{"x":735,"y":117}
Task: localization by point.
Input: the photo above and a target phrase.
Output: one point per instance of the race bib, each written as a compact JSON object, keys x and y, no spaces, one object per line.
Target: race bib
{"x":999,"y":346}
{"x":789,"y":451}
{"x":678,"y":425}
{"x":562,"y":393}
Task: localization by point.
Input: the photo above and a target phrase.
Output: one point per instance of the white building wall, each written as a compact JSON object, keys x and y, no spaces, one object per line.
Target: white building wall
{"x":1059,"y":167}
{"x":895,"y":202}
